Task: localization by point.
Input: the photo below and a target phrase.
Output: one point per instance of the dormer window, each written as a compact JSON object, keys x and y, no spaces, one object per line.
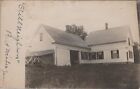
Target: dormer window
{"x":41,"y":36}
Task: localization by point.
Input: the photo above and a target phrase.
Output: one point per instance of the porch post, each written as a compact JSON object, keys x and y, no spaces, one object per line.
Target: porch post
{"x":55,"y":58}
{"x":79,"y":57}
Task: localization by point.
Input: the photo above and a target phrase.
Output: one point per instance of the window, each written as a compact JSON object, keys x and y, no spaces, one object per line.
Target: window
{"x":84,"y":55}
{"x":93,"y":56}
{"x":97,"y":55}
{"x":41,"y":36}
{"x":130,"y":54}
{"x":114,"y":54}
{"x":100,"y":55}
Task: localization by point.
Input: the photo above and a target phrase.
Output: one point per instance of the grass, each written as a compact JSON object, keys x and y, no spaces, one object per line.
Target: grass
{"x":124,"y":76}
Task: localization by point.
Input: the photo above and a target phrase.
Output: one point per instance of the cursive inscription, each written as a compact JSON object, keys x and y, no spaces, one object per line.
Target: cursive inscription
{"x":19,"y":28}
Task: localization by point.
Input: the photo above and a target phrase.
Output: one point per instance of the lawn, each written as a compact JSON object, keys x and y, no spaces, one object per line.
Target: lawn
{"x":118,"y":76}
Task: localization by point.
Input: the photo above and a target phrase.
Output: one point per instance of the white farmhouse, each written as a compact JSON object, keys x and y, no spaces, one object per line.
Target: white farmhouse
{"x":57,"y":47}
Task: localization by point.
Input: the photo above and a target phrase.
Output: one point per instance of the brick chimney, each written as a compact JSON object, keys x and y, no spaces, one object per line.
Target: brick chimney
{"x":106,"y":26}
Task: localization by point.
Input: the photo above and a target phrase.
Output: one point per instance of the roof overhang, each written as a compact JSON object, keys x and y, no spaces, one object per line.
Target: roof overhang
{"x":41,"y":53}
{"x":107,"y":43}
{"x":71,"y":45}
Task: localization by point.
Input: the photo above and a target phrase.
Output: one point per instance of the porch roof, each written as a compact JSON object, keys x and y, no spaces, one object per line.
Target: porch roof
{"x":40,"y":53}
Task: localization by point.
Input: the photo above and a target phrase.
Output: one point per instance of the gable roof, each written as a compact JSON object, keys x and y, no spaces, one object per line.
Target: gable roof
{"x":64,"y":38}
{"x":111,"y":35}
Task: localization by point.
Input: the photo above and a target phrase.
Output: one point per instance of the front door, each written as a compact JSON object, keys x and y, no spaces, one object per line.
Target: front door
{"x":74,"y":57}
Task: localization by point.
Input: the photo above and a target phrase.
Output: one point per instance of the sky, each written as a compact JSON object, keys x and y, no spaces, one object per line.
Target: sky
{"x":91,"y":14}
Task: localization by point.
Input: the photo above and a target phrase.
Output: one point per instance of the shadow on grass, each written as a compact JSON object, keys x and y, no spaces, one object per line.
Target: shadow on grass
{"x":124,"y":76}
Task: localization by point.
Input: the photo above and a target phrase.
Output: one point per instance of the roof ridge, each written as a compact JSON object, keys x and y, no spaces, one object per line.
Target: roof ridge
{"x":60,"y":30}
{"x":109,"y":29}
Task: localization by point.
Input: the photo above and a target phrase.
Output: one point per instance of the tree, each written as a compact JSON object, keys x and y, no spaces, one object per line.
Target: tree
{"x":77,"y":30}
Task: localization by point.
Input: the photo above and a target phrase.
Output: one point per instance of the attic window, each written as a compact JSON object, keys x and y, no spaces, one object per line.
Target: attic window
{"x":41,"y":36}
